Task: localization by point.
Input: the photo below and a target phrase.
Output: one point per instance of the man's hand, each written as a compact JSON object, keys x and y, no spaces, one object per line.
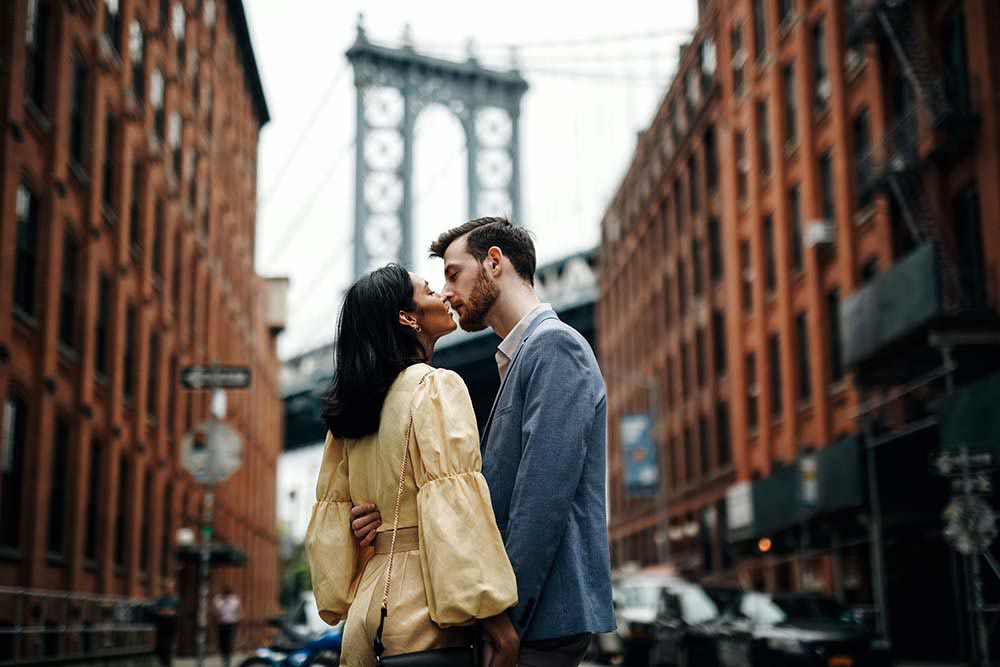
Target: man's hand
{"x":504,"y":644}
{"x":365,"y":520}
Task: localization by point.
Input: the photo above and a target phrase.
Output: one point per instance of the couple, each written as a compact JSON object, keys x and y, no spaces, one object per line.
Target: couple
{"x":511,"y":533}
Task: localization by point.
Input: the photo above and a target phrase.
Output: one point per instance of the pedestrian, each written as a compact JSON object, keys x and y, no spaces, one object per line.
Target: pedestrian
{"x":403,"y":435}
{"x":543,"y":445}
{"x":227,"y":615}
{"x":164,"y":612}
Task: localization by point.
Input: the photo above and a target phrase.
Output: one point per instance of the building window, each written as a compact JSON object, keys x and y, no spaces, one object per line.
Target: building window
{"x":134,"y":213}
{"x":156,"y":88}
{"x":27,"y":249}
{"x":699,"y":361}
{"x":826,"y":185}
{"x":869,"y":271}
{"x":774,"y":363}
{"x":172,"y":381}
{"x":954,"y":58}
{"x":108,"y":169}
{"x":670,"y":380}
{"x":175,"y":143}
{"x":742,"y":166}
{"x":821,"y":74}
{"x":763,"y":140}
{"x":719,"y":342}
{"x":177,"y":27}
{"x":753,"y":391}
{"x":759,"y":30}
{"x":175,"y":280}
{"x":714,"y":249}
{"x":164,"y":14}
{"x":58,"y":483}
{"x":685,"y":371}
{"x":159,"y":223}
{"x":165,"y":551}
{"x":688,"y":455}
{"x":15,"y":427}
{"x":862,"y":164}
{"x":682,"y":300}
{"x":795,"y":227}
{"x":711,"y":159}
{"x":152,"y":375}
{"x":696,"y":266}
{"x":791,"y":124}
{"x":770,"y":270}
{"x":668,"y":302}
{"x":36,"y":42}
{"x":739,"y":59}
{"x":77,"y":110}
{"x":704,"y":455}
{"x":101,"y":325}
{"x":802,"y":340}
{"x":113,"y":23}
{"x":145,"y":534}
{"x":90,"y":540}
{"x":833,"y":324}
{"x":121,"y":510}
{"x":678,"y":206}
{"x":784,"y":10}
{"x":135,"y":44}
{"x":67,"y":291}
{"x":969,"y":243}
{"x":747,"y":276}
{"x":128,"y":354}
{"x":693,"y":185}
{"x":723,"y":435}
{"x":190,"y":172}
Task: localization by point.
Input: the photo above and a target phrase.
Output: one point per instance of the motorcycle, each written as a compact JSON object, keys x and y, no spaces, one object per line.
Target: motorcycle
{"x":321,"y":650}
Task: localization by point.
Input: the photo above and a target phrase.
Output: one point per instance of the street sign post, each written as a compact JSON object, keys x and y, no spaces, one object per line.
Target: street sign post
{"x":211,"y":453}
{"x":215,"y":377}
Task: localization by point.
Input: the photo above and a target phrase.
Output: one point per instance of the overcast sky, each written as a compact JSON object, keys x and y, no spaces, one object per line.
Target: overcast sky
{"x":590,"y":92}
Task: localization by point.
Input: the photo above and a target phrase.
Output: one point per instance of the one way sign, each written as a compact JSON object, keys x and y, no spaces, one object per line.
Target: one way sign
{"x":215,"y":377}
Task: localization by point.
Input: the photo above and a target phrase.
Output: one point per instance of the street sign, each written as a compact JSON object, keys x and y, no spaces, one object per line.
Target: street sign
{"x":970,"y":524}
{"x":212,"y":452}
{"x":215,"y":377}
{"x":639,"y":448}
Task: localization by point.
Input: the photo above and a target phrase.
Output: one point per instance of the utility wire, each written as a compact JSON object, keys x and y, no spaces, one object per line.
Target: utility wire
{"x":303,"y":212}
{"x":303,"y":135}
{"x":572,"y":42}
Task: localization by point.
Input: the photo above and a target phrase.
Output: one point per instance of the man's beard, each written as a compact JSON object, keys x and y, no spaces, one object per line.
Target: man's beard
{"x":484,"y":295}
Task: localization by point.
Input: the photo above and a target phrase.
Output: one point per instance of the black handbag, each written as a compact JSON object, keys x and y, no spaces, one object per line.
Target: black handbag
{"x":460,"y":656}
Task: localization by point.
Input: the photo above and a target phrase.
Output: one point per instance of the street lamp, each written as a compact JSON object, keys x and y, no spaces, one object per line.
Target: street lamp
{"x":652,"y":386}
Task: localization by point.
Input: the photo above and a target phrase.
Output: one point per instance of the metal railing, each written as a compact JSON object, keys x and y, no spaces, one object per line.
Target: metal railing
{"x":37,"y":624}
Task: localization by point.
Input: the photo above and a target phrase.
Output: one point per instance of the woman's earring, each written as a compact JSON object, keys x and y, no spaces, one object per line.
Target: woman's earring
{"x":417,"y":328}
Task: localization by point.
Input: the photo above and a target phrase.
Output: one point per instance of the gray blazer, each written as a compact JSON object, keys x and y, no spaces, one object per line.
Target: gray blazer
{"x":544,"y":453}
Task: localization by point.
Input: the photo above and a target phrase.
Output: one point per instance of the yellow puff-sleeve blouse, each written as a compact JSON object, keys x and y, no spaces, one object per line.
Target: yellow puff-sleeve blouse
{"x":466,"y":572}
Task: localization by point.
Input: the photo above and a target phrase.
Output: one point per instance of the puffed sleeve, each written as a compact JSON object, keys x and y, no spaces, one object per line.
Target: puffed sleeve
{"x":333,"y":553}
{"x":467,"y":574}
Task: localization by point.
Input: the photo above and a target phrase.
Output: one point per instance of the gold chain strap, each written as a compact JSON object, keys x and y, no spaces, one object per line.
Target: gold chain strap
{"x":399,"y":496}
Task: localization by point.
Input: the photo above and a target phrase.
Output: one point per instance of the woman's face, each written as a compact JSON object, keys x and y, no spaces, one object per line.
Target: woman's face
{"x":432,"y":313}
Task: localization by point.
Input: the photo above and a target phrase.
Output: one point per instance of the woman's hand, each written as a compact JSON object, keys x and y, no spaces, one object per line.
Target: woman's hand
{"x":365,"y":520}
{"x":504,"y":644}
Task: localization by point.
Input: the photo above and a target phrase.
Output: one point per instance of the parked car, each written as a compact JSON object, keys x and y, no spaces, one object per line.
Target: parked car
{"x":638,"y":602}
{"x":683,"y":632}
{"x":795,"y":630}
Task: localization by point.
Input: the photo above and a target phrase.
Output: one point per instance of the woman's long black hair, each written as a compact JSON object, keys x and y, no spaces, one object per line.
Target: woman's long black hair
{"x":371,"y":349}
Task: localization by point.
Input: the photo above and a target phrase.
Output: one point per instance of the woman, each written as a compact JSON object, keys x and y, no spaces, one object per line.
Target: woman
{"x":450,"y":568}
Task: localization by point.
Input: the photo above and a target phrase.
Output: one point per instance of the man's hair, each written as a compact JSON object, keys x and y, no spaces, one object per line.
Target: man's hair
{"x":484,"y":233}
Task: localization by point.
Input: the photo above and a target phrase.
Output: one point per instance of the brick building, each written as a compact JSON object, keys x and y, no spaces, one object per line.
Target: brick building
{"x":801,"y":262}
{"x":127,"y":213}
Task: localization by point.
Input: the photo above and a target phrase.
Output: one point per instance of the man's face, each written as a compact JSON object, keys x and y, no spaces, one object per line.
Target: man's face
{"x":469,"y":289}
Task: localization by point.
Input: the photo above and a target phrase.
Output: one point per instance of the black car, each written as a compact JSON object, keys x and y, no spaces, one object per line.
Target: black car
{"x":683,"y":631}
{"x":795,"y":630}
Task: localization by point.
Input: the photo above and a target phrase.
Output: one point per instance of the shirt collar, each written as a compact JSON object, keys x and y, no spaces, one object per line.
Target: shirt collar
{"x":508,"y":346}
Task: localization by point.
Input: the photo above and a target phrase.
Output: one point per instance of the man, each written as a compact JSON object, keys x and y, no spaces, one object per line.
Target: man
{"x":543,"y":445}
{"x":164,"y":612}
{"x":227,"y":614}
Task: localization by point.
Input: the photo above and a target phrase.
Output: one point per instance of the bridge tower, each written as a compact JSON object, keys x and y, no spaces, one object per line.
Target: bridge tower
{"x":393,"y":86}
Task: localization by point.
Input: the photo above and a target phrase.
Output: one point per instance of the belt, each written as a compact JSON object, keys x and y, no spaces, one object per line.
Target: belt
{"x":407,"y":539}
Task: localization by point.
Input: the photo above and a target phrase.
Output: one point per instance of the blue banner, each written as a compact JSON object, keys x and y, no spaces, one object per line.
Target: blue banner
{"x":642,"y":475}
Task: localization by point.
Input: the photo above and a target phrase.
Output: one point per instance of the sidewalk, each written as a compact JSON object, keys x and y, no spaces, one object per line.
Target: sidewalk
{"x":210,"y":661}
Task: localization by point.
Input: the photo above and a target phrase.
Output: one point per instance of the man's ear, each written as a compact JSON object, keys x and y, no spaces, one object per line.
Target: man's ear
{"x":494,"y":260}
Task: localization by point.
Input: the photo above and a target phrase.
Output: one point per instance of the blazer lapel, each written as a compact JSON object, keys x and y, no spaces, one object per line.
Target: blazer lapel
{"x":547,"y":315}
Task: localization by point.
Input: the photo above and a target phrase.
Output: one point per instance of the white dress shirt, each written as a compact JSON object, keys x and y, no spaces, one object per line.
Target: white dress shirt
{"x":508,"y":346}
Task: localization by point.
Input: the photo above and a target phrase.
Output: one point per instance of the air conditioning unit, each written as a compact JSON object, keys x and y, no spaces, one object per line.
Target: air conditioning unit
{"x":820,"y":233}
{"x":739,"y":58}
{"x":824,"y":90}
